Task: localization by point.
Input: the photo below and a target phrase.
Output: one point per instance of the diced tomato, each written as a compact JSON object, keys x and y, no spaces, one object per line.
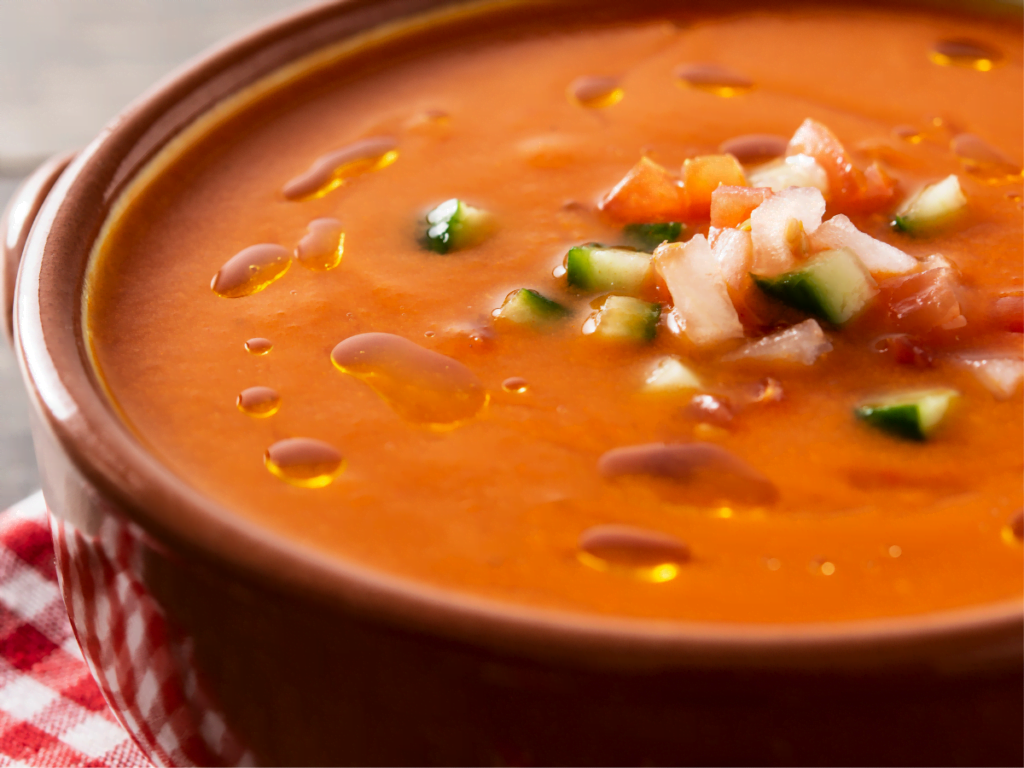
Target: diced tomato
{"x":906,"y":350}
{"x":878,"y":192}
{"x":849,"y":188}
{"x":1008,"y":313}
{"x":732,"y":205}
{"x":704,"y":174}
{"x":648,"y":194}
{"x":814,"y":139}
{"x":921,"y":302}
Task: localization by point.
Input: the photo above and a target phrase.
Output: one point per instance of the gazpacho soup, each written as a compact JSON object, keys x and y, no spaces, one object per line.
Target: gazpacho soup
{"x":693,"y":316}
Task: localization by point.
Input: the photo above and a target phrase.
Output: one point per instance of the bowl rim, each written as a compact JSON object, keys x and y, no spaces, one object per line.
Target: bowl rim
{"x":76,"y":413}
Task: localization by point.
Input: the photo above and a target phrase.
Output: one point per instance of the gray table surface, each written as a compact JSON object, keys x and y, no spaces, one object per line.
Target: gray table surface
{"x":66,"y":68}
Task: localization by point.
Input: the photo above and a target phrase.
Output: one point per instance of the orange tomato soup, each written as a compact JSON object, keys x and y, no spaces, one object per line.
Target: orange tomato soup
{"x":479,"y":452}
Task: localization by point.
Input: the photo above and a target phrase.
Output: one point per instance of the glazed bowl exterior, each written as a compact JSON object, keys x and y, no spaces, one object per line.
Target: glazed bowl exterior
{"x":216,"y":643}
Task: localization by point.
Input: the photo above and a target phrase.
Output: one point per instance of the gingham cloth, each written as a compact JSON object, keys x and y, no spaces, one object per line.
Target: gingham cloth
{"x":51,"y":710}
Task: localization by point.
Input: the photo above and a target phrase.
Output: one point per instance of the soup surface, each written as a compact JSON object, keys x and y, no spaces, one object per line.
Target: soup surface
{"x":620,"y":442}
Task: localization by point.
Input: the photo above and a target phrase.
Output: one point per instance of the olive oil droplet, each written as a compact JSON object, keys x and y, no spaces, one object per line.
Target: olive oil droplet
{"x":908,"y":133}
{"x":714,"y":79}
{"x":644,"y":555}
{"x":595,"y":91}
{"x":968,"y":54}
{"x":336,"y":168}
{"x":259,"y":402}
{"x":258,"y":346}
{"x":1013,"y":531}
{"x":422,"y":386}
{"x":251,"y":270}
{"x":982,"y":160}
{"x":515,"y":385}
{"x":323,"y":246}
{"x":304,"y":462}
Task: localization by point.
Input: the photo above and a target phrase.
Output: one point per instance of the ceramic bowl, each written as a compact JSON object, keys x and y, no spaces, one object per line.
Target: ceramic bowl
{"x":216,"y":642}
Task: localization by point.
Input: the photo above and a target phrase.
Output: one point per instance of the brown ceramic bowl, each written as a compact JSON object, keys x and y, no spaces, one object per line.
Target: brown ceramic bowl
{"x":216,"y":642}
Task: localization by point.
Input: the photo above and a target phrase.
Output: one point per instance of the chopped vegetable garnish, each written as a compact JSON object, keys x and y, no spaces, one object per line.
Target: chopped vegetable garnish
{"x":923,"y":301}
{"x":773,"y":232}
{"x":454,"y":225}
{"x":731,"y":206}
{"x":913,"y":415}
{"x":802,"y":343}
{"x":527,"y":307}
{"x":933,"y":208}
{"x":699,"y":291}
{"x":648,"y":193}
{"x":1000,"y":375}
{"x":594,"y":267}
{"x":878,"y":257}
{"x":670,"y":375}
{"x":792,"y":171}
{"x":623,"y":318}
{"x":815,"y":140}
{"x":833,"y":286}
{"x":704,"y":174}
{"x":649,"y":236}
{"x":1008,"y":313}
{"x":734,"y":250}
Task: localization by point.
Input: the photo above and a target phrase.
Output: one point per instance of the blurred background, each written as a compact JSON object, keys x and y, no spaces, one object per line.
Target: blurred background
{"x":66,"y":68}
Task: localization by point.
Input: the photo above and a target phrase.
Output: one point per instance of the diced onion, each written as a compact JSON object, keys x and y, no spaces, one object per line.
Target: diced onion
{"x":770,"y":227}
{"x":878,"y":257}
{"x":802,"y":343}
{"x":699,"y":291}
{"x":793,"y":171}
{"x":1000,"y":375}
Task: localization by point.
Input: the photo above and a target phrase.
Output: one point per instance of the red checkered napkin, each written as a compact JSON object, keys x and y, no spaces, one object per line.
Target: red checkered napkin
{"x":51,"y":710}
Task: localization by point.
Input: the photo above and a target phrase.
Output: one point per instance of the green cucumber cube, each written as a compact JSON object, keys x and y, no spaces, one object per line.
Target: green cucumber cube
{"x":833,"y":286}
{"x":595,"y":267}
{"x":647,"y":237}
{"x":913,"y":415}
{"x":623,"y":318}
{"x":454,"y":225}
{"x":527,"y":307}
{"x":932,"y":208}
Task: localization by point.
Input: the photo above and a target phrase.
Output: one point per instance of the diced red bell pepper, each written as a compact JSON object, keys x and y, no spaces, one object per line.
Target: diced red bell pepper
{"x":731,"y":205}
{"x":647,"y":194}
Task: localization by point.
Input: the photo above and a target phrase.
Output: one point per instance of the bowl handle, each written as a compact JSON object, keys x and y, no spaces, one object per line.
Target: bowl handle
{"x":15,"y":226}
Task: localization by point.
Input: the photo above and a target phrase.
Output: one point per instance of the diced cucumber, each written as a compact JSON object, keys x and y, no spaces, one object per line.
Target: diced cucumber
{"x":833,"y":286}
{"x":595,"y":267}
{"x":454,"y":225}
{"x":626,"y":318}
{"x":913,"y":415}
{"x":647,"y":237}
{"x":670,"y":375}
{"x":527,"y":307}
{"x":932,"y":208}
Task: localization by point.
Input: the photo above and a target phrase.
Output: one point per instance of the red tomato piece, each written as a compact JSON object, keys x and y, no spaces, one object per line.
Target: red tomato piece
{"x":878,"y":192}
{"x":731,"y":206}
{"x":648,"y":194}
{"x":1008,"y":313}
{"x":704,"y":174}
{"x":921,"y":302}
